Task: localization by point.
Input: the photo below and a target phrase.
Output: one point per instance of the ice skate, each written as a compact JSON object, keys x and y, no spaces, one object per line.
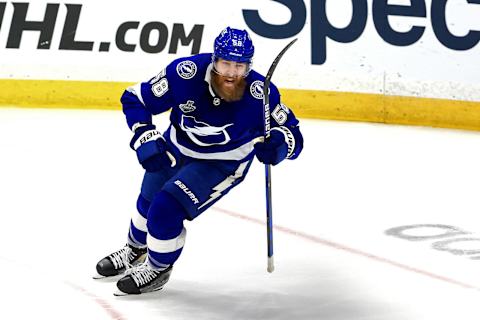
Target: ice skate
{"x":117,"y":262}
{"x":142,"y":279}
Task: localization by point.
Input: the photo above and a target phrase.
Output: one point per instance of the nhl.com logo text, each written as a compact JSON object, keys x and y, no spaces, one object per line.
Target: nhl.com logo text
{"x":441,"y":237}
{"x":155,"y":36}
{"x":151,"y":37}
{"x":322,"y":29}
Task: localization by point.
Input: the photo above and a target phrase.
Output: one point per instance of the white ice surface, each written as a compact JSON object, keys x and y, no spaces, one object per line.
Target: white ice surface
{"x":69,"y":182}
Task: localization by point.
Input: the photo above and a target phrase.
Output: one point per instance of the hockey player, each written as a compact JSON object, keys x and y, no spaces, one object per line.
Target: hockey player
{"x":216,"y":129}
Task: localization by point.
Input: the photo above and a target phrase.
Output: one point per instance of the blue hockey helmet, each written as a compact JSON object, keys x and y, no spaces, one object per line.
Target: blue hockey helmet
{"x":234,"y":45}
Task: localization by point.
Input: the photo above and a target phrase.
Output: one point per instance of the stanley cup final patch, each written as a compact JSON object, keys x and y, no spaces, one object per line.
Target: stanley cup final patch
{"x":187,"y":107}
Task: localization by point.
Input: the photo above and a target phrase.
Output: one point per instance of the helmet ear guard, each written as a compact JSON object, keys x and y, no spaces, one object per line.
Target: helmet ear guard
{"x":234,"y":45}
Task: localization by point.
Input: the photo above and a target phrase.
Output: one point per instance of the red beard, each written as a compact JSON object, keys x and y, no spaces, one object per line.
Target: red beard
{"x":229,"y":89}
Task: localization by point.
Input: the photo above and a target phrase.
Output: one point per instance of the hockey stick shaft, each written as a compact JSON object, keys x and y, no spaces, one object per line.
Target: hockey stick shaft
{"x":268,"y":172}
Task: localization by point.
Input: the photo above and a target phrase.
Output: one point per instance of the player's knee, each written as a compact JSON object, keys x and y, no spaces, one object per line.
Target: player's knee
{"x":165,"y":216}
{"x":143,"y":205}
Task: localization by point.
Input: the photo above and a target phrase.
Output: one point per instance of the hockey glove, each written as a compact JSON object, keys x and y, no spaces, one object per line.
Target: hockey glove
{"x":151,"y":148}
{"x":273,"y":150}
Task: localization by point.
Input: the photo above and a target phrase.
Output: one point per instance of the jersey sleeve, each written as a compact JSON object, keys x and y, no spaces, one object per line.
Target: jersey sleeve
{"x":284,"y":120}
{"x":144,"y":99}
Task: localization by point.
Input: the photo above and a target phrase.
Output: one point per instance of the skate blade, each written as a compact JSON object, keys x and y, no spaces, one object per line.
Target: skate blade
{"x":119,"y":293}
{"x":97,"y":276}
{"x":101,"y":278}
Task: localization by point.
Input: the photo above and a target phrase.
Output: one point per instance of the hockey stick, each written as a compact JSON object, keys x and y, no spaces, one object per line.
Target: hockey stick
{"x":268,"y":174}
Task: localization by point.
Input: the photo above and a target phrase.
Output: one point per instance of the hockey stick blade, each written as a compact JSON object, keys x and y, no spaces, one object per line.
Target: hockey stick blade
{"x":268,"y":179}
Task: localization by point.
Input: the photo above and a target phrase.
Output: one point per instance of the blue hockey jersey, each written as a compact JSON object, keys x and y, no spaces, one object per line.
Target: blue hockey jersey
{"x":204,"y":126}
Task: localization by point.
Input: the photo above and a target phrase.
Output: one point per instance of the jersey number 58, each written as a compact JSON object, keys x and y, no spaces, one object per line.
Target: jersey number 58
{"x":280,"y":113}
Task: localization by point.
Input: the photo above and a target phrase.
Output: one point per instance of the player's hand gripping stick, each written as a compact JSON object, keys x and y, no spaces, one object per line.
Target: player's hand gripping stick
{"x":273,"y":149}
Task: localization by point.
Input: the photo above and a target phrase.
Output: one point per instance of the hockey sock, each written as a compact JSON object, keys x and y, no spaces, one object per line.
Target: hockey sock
{"x":137,"y":235}
{"x":166,"y":234}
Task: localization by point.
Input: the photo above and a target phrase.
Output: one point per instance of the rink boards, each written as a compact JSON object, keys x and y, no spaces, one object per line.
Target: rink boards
{"x":412,"y":62}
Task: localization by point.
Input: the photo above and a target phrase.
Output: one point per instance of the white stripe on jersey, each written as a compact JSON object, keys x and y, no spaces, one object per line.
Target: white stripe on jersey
{"x":237,"y":154}
{"x":137,"y":90}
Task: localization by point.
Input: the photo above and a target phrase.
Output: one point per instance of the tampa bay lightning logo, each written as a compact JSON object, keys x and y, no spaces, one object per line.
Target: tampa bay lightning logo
{"x":187,"y":69}
{"x":256,"y":89}
{"x":204,"y":134}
